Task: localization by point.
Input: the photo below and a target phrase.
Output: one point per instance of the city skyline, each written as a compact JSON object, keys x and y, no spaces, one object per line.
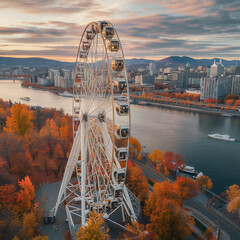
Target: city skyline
{"x":52,"y":29}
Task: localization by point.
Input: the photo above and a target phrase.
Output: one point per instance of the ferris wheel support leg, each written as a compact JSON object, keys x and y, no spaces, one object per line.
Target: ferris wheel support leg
{"x":68,"y":171}
{"x":129,"y":203}
{"x":123,"y":216}
{"x":83,"y":169}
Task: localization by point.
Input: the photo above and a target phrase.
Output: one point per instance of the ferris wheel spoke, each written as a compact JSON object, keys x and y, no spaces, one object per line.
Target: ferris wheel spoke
{"x":105,"y":102}
{"x":94,"y":147}
{"x":96,"y":137}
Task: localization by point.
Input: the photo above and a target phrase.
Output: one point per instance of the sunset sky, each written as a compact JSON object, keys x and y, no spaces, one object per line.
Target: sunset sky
{"x":148,"y":29}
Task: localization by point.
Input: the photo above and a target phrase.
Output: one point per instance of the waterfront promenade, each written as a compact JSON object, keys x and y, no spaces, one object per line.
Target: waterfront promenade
{"x":186,"y":107}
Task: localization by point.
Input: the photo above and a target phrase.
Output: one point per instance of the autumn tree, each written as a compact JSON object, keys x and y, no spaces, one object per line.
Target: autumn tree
{"x":232,"y":192}
{"x":204,"y":182}
{"x":161,"y":190}
{"x":38,"y":118}
{"x":9,"y":223}
{"x":135,"y":231}
{"x":170,"y":221}
{"x":26,"y":194}
{"x":137,"y":182}
{"x":20,"y":120}
{"x":50,"y":129}
{"x":157,"y":157}
{"x":41,"y":238}
{"x":50,"y":137}
{"x":29,"y":224}
{"x":4,"y":173}
{"x":94,"y":229}
{"x":209,"y":234}
{"x":10,"y":147}
{"x":173,"y":161}
{"x":4,"y":113}
{"x":135,"y":147}
{"x":230,"y":101}
{"x":233,"y":196}
{"x":237,"y":103}
{"x":186,"y":187}
{"x":234,"y":205}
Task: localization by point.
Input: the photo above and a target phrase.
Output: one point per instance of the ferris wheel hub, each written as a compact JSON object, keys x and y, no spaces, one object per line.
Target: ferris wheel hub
{"x":85,"y":117}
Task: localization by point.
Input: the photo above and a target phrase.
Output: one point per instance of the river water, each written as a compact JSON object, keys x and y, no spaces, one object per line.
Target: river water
{"x":165,"y":129}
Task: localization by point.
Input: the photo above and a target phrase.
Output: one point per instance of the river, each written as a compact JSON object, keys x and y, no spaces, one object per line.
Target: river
{"x":165,"y":129}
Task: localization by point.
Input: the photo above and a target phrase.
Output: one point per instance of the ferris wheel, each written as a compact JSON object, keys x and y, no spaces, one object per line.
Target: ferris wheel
{"x":96,"y":170}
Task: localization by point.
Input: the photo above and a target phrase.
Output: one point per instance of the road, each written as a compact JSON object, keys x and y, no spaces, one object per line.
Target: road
{"x":232,"y":232}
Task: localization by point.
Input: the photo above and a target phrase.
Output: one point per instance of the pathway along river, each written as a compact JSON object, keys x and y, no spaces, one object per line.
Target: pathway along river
{"x":165,"y":129}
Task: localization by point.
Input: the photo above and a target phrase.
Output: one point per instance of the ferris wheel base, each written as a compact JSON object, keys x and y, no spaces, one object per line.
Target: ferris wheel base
{"x":129,"y":210}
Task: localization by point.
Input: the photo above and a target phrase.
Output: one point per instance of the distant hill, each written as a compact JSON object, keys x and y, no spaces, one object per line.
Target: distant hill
{"x":132,"y":64}
{"x":175,"y":61}
{"x":33,"y":62}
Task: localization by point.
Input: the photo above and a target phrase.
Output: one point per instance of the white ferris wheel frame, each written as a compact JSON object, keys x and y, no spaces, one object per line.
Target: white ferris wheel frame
{"x":85,"y":129}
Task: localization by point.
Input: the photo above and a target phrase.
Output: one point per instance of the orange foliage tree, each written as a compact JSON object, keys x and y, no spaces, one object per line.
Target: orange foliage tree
{"x":230,"y":101}
{"x":161,"y":190}
{"x":232,"y":192}
{"x":157,"y":157}
{"x":170,"y":221}
{"x":26,"y":195}
{"x":94,"y":229}
{"x":233,"y":196}
{"x":135,"y":231}
{"x":20,"y":121}
{"x":205,"y":182}
{"x":237,"y":103}
{"x":137,"y":183}
{"x":186,"y":187}
{"x":135,"y":147}
{"x":209,"y":234}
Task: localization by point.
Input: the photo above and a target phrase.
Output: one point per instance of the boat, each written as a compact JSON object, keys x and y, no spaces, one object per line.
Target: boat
{"x":25,"y":98}
{"x":65,"y":94}
{"x":224,"y":137}
{"x":189,"y":171}
{"x":227,"y":115}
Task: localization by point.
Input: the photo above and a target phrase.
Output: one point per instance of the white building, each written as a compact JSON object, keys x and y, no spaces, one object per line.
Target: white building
{"x":217,"y":69}
{"x":66,"y":74}
{"x":44,"y":81}
{"x":152,"y":68}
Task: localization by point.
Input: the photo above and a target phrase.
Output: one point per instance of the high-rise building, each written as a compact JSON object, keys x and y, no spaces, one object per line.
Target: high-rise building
{"x":215,"y":87}
{"x":217,"y":69}
{"x":234,"y":70}
{"x":144,"y":79}
{"x":152,"y":68}
{"x":66,"y":74}
{"x":235,"y":85}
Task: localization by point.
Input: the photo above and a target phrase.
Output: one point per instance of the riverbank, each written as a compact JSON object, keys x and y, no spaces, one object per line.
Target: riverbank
{"x":189,"y":108}
{"x":56,"y":90}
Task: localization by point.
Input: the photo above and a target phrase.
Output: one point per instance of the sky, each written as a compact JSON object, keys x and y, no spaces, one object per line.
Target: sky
{"x":151,"y":29}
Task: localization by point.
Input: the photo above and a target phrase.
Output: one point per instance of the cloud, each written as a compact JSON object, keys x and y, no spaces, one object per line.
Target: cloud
{"x":174,"y":27}
{"x":41,"y":7}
